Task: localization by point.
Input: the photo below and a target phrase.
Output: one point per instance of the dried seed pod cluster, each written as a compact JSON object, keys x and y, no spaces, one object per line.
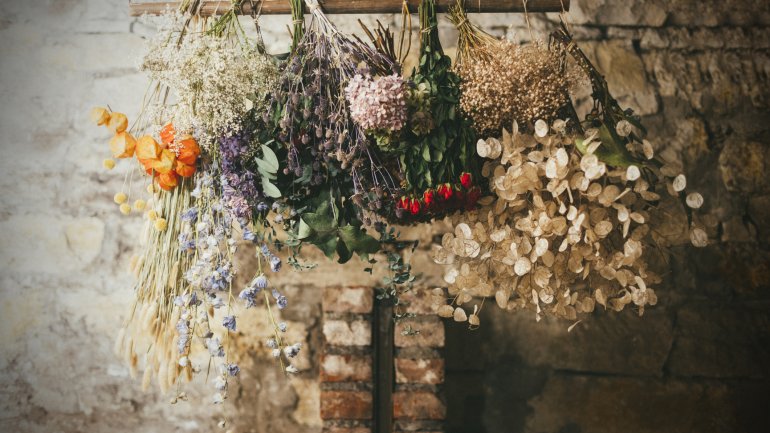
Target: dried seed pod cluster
{"x":563,"y":231}
{"x":512,"y":82}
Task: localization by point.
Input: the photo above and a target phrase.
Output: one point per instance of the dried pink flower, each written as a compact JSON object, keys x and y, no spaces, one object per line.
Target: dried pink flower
{"x":377,"y":103}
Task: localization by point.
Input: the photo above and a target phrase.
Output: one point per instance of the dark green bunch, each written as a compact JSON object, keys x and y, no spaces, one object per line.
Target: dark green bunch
{"x":438,"y":146}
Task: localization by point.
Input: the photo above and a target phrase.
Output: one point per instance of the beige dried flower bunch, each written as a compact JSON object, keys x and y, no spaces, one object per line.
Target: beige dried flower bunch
{"x":504,"y":82}
{"x":563,"y":231}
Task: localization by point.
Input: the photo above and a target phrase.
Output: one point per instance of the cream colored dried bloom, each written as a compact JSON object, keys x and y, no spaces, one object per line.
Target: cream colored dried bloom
{"x":213,"y":81}
{"x":562,"y":233}
{"x":522,"y":83}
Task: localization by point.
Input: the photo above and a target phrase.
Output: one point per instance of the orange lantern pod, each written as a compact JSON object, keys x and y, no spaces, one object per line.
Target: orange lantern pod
{"x":147,"y":148}
{"x":184,"y":170}
{"x":188,"y":150}
{"x":118,"y":122}
{"x":100,"y":116}
{"x":165,"y":163}
{"x":147,"y":164}
{"x":122,"y":145}
{"x":167,"y":134}
{"x":168,"y":181}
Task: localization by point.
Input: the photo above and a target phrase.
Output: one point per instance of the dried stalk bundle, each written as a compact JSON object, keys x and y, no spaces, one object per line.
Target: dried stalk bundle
{"x":472,"y":40}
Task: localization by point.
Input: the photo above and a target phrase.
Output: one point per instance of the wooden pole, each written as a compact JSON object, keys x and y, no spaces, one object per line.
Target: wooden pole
{"x":278,"y":7}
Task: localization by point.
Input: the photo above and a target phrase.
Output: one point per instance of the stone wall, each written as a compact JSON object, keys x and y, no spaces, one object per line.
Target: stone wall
{"x":698,"y":71}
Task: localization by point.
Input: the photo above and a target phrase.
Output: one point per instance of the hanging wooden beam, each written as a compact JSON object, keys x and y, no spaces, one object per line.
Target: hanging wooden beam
{"x":278,"y":7}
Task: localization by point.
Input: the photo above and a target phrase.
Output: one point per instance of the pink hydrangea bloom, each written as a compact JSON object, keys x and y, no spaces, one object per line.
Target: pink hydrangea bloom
{"x":377,"y":103}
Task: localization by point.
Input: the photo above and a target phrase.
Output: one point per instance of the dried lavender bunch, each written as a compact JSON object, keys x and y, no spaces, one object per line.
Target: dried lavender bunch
{"x":240,"y":185}
{"x":312,"y":113}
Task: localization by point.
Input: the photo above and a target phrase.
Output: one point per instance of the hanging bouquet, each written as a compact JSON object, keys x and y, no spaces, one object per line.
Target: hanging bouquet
{"x":418,"y":129}
{"x":200,"y":199}
{"x":570,"y":222}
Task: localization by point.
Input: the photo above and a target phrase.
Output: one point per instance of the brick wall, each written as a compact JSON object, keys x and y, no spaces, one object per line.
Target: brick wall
{"x":418,"y":403}
{"x":346,"y":360}
{"x":347,"y":367}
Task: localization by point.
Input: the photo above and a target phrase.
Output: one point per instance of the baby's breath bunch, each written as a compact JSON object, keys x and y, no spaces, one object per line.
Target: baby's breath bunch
{"x":512,"y":82}
{"x":214,"y":80}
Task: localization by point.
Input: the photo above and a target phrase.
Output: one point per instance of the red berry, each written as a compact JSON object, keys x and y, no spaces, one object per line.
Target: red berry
{"x":428,"y":197}
{"x":415,"y":209}
{"x":403,"y":203}
{"x":466,"y":180}
{"x":445,"y":191}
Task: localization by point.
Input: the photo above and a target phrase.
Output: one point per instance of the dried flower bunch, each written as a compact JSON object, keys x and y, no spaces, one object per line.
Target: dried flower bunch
{"x":562,"y":232}
{"x":326,"y":145}
{"x":311,"y":109}
{"x":437,"y":168}
{"x":207,"y":78}
{"x":504,"y":82}
{"x":569,"y":221}
{"x":215,"y":80}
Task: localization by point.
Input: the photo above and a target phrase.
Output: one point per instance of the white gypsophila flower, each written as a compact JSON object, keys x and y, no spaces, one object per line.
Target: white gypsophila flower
{"x":210,"y":79}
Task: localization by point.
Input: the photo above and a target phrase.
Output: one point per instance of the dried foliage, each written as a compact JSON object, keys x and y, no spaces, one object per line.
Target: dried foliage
{"x":563,"y":231}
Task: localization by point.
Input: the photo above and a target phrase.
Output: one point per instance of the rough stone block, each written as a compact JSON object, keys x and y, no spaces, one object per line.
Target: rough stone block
{"x":430,"y":333}
{"x":425,"y":371}
{"x":418,"y":301}
{"x":347,"y":430}
{"x":346,"y":405}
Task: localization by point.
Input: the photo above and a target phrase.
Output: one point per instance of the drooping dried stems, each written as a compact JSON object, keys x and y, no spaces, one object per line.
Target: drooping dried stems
{"x":472,"y":40}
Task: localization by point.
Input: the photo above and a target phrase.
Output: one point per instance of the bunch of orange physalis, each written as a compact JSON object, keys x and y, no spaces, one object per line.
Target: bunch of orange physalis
{"x":167,"y":161}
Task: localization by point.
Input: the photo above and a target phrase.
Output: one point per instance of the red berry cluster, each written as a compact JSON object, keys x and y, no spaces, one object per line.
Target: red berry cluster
{"x":445,"y":198}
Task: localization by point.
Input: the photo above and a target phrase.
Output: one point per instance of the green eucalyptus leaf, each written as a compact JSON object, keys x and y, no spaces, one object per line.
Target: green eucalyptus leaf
{"x":269,"y":158}
{"x":319,"y":223}
{"x":304,"y":231}
{"x":269,"y":189}
{"x":358,"y":241}
{"x":327,"y":244}
{"x":265,"y":167}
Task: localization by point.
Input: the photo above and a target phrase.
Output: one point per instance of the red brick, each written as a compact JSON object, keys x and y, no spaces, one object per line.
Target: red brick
{"x":346,"y":405}
{"x":431,"y":333}
{"x":427,"y":371}
{"x":346,"y":368}
{"x":420,"y":405}
{"x":347,"y":430}
{"x":418,"y":301}
{"x":348,"y":333}
{"x":348,"y":300}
